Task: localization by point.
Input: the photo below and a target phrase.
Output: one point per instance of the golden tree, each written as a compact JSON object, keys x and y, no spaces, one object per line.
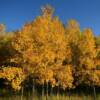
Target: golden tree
{"x":48,"y":34}
{"x":87,"y":57}
{"x":73,"y":35}
{"x":40,"y":45}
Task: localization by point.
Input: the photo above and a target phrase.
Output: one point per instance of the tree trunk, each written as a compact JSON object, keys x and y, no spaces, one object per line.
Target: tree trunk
{"x":94,"y":93}
{"x":33,"y":88}
{"x":22,"y":94}
{"x":47,"y":92}
{"x":43,"y":90}
{"x":51,"y":91}
{"x":58,"y":92}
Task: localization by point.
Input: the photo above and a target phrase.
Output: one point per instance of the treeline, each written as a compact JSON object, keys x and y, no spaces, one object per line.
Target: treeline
{"x":46,"y":52}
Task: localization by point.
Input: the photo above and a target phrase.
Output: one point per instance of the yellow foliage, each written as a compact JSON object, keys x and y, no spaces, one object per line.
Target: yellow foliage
{"x":64,"y":77}
{"x":13,"y":75}
{"x":51,"y":53}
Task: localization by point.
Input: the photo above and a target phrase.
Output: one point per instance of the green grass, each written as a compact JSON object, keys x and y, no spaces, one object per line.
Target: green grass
{"x":53,"y":97}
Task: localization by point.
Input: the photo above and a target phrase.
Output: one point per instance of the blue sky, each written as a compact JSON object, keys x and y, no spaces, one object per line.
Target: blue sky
{"x":15,"y":13}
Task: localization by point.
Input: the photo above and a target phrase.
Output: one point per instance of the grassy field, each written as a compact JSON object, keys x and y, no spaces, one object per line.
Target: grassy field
{"x":73,"y":97}
{"x":29,"y":96}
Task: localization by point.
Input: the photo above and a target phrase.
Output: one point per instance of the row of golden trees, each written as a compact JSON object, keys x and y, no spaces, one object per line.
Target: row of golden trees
{"x":47,"y":52}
